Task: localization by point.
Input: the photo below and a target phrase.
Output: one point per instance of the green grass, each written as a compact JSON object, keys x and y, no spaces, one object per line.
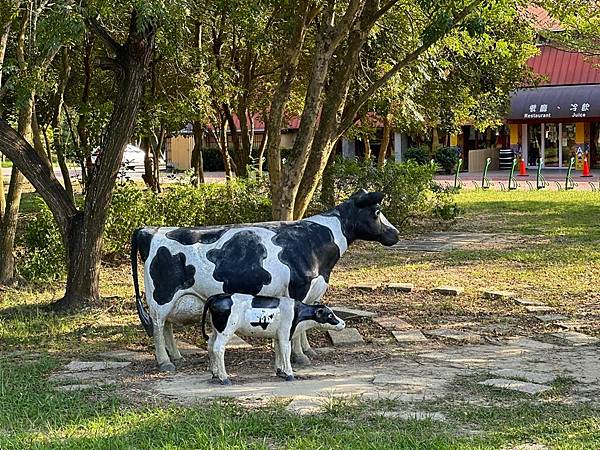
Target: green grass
{"x":556,"y":258}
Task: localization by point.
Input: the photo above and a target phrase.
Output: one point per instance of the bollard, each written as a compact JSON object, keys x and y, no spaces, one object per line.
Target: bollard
{"x":457,"y":180}
{"x":485,"y":181}
{"x":512,"y":181}
{"x":569,"y":183}
{"x":540,"y":180}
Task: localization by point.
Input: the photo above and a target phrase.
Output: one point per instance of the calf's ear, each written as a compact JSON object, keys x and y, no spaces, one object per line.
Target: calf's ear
{"x":370,"y":199}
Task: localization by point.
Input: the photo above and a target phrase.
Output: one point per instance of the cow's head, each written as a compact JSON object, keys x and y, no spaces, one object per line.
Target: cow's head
{"x":327,"y":319}
{"x":363,"y":219}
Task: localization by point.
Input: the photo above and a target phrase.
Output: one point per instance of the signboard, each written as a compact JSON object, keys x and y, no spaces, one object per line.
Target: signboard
{"x":556,"y":102}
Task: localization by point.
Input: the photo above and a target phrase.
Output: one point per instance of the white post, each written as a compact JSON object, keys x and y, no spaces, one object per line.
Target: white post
{"x":400,"y":143}
{"x":348,"y":149}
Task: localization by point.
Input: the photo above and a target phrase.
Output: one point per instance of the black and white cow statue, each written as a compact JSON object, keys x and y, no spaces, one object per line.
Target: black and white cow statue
{"x":185,"y":266}
{"x":250,"y":315}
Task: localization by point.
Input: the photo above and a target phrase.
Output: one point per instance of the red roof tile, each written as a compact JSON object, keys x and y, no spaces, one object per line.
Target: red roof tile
{"x":561,"y":67}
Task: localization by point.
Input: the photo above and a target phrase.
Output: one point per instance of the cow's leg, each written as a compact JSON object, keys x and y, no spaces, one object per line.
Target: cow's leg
{"x":306,"y":349}
{"x":219,"y":354}
{"x":279,"y":363}
{"x":162,"y":358}
{"x":212,"y":361}
{"x":300,"y":346}
{"x":285,"y":348}
{"x":170,"y":342}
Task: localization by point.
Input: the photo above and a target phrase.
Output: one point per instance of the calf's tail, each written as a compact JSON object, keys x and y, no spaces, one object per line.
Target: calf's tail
{"x":142,"y":313}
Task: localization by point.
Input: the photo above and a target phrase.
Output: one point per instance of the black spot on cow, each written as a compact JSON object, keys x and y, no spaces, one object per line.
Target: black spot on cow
{"x":220,"y":310}
{"x":238,"y":264}
{"x":191,"y":236}
{"x":144,"y":239}
{"x":260,"y":301}
{"x":263,"y":321}
{"x":309,"y":250}
{"x":170,"y":274}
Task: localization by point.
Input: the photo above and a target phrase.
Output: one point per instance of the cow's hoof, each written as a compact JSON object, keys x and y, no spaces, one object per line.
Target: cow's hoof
{"x":280,"y":373}
{"x":226,"y":382}
{"x":310,"y":353}
{"x":167,"y":367}
{"x":289,"y":378}
{"x":302,"y":360}
{"x":179,"y":359}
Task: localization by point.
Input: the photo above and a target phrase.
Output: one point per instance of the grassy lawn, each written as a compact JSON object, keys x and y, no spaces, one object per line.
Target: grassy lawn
{"x":548,"y":251}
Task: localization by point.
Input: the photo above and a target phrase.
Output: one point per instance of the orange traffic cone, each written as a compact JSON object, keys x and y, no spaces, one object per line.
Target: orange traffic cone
{"x":586,"y":168}
{"x":523,"y":169}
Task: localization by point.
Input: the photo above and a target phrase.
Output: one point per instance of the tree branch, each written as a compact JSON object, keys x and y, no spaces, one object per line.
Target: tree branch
{"x":39,"y":174}
{"x":109,"y":42}
{"x":351,"y":110}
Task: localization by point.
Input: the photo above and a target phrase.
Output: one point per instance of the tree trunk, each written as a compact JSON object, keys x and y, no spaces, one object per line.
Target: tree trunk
{"x":82,"y":123}
{"x":10,"y":219}
{"x":367,"y":155}
{"x":149,"y":170}
{"x":385,"y":142}
{"x":261,"y":151}
{"x":58,"y":132}
{"x":156,"y":151}
{"x":197,"y":160}
{"x":5,"y":30}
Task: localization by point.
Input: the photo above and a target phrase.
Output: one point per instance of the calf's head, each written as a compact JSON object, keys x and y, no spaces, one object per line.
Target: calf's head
{"x":327,"y":319}
{"x":363,"y":219}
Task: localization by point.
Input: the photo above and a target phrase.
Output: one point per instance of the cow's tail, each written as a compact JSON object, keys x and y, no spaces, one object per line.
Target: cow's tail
{"x":204,"y":312}
{"x":144,"y":316}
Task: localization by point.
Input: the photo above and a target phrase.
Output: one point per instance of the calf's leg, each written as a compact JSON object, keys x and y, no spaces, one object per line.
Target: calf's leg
{"x":212,"y":360}
{"x":306,"y":349}
{"x":278,"y":360}
{"x":162,"y":358}
{"x":285,"y":348}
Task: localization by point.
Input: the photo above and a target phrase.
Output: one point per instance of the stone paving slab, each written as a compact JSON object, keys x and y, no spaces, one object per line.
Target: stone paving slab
{"x":448,"y":290}
{"x":439,"y":241}
{"x":547,"y":318}
{"x":237,"y":342}
{"x":92,"y":366}
{"x":347,"y":313}
{"x":532,"y":377}
{"x":413,"y":415}
{"x":513,"y":385}
{"x":455,"y":335}
{"x":304,"y":405}
{"x":527,"y":302}
{"x":571,"y":325}
{"x":539,"y":308}
{"x":409,"y":336}
{"x":392,"y":323}
{"x":402,"y":287}
{"x":74,"y":387}
{"x":347,"y":336}
{"x":498,"y":295}
{"x":366,"y":286}
{"x":127,"y":355}
{"x":576,"y":338}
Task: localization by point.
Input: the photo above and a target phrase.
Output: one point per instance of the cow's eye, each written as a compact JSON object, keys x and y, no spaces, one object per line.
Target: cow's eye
{"x":377,"y":213}
{"x":330,"y":315}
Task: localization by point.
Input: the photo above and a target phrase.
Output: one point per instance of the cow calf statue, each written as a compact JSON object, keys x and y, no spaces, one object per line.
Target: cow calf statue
{"x":248,"y":315}
{"x":185,"y":266}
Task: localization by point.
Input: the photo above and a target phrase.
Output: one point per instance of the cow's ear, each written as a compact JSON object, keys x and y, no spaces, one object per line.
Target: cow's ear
{"x":358,"y":195}
{"x":372,"y":198}
{"x":320,"y":313}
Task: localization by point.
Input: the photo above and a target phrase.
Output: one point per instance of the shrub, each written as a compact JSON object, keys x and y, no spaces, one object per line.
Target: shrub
{"x":42,"y":253}
{"x":447,"y":157}
{"x":409,"y":188}
{"x":418,"y":154}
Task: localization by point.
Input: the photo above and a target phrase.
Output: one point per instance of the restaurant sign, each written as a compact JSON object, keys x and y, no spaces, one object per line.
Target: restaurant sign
{"x":556,"y":102}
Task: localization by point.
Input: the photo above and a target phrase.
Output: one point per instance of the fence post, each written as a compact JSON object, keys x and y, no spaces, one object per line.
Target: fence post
{"x":569,"y":183}
{"x":457,"y":181}
{"x":540,"y":181}
{"x":485,"y":181}
{"x":512,"y":182}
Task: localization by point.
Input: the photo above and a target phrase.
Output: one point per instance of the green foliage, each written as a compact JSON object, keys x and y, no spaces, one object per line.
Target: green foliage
{"x":42,"y":254}
{"x":417,"y":154}
{"x":409,"y":188}
{"x":447,"y":157}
